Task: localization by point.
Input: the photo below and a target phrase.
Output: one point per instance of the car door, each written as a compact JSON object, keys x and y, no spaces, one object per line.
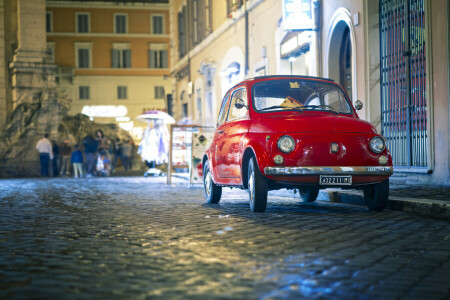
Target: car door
{"x":217,"y":143}
{"x":232,"y":132}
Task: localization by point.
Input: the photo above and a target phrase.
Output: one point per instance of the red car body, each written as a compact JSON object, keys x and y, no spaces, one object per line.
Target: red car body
{"x":332,"y":149}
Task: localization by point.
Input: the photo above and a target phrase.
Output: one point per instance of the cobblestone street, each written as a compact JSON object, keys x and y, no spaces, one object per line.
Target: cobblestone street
{"x":138,"y":238}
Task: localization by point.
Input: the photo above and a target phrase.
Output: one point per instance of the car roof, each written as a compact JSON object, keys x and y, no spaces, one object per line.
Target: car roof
{"x":258,"y":78}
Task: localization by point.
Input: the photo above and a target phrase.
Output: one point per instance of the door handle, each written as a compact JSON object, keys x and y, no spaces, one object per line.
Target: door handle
{"x":220,"y":131}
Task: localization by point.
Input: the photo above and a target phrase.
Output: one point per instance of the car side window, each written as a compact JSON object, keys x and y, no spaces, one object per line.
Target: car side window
{"x":238,"y":113}
{"x":223,"y":110}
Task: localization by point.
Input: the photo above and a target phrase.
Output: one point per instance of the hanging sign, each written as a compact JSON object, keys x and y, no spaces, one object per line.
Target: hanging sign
{"x":297,"y":15}
{"x":200,"y":143}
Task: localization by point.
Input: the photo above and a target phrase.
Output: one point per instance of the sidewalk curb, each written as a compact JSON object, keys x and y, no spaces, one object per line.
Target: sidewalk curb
{"x":423,"y":207}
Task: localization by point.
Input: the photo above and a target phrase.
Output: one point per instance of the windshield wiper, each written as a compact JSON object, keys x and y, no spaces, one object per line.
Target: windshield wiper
{"x":326,"y":107}
{"x":299,"y":109}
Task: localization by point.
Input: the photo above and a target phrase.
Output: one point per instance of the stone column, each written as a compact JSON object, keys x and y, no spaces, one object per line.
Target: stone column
{"x":30,"y":71}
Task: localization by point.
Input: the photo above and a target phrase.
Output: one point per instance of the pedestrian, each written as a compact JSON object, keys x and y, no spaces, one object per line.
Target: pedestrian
{"x":90,"y":149}
{"x":77,"y":162}
{"x":127,"y":151}
{"x":117,"y":153}
{"x":45,"y":154}
{"x":65,"y":151}
{"x":55,"y":160}
{"x":102,"y":140}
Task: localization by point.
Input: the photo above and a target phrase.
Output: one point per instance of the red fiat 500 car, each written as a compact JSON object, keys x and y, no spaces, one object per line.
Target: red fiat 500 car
{"x":297,"y":132}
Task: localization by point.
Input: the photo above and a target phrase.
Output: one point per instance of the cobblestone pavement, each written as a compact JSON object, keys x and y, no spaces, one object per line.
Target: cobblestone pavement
{"x":138,"y":238}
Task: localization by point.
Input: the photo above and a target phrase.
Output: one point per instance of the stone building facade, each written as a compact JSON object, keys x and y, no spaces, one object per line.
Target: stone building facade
{"x":215,"y":44}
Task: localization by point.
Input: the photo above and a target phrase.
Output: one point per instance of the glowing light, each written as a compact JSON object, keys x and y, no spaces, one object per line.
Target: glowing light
{"x":110,"y":111}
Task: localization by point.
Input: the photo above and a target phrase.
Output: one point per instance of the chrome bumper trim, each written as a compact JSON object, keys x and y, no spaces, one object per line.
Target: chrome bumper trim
{"x":305,"y":171}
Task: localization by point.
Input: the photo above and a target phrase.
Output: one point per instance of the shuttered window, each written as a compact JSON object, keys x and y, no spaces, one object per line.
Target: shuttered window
{"x":158,"y":56}
{"x":82,"y":22}
{"x":157,"y":24}
{"x":83,"y":58}
{"x":121,"y":58}
{"x":121,"y":92}
{"x":84,"y":92}
{"x":120,"y":23}
{"x":159,"y":92}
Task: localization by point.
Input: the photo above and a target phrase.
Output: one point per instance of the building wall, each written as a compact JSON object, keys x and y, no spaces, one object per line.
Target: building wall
{"x":102,"y":79}
{"x":440,"y":90}
{"x":3,"y":66}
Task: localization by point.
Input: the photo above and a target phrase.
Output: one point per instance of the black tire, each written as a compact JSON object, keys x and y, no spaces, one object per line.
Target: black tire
{"x":257,"y":187}
{"x":376,"y":196}
{"x":308,"y":194}
{"x":212,"y":191}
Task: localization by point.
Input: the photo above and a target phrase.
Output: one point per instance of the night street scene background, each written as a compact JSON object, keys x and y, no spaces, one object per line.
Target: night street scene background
{"x":107,"y":109}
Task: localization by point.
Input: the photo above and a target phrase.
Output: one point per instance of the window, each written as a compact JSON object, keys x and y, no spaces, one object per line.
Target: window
{"x":48,"y":22}
{"x":157,"y":24}
{"x":51,"y":51}
{"x":223,"y":110}
{"x":83,"y":57}
{"x":82,"y":22}
{"x":159,"y":92}
{"x":120,"y":23}
{"x":121,"y":92}
{"x":182,"y":36}
{"x":234,"y":112}
{"x":84,"y":93}
{"x":121,"y":56}
{"x":158,"y":56}
{"x":185,"y":110}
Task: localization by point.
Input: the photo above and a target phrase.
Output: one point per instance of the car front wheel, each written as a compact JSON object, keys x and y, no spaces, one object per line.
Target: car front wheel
{"x":376,"y":196}
{"x":212,"y":191}
{"x":257,"y":187}
{"x":308,"y":194}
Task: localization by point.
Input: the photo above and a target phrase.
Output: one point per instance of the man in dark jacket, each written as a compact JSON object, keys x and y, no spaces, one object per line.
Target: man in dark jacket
{"x":90,"y":149}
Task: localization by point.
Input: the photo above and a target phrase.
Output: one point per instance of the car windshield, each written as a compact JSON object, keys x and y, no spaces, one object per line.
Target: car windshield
{"x":299,"y":95}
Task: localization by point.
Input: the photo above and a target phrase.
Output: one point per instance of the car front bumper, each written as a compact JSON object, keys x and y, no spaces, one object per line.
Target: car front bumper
{"x":308,"y":171}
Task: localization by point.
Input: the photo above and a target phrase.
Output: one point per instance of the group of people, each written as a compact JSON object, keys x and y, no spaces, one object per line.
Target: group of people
{"x":96,"y":160}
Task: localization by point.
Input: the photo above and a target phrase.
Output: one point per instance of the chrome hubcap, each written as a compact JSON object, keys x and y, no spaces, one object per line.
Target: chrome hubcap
{"x":208,"y":183}
{"x":251,"y":186}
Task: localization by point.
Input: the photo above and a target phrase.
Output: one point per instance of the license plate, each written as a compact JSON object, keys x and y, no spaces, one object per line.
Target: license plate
{"x":335,"y":180}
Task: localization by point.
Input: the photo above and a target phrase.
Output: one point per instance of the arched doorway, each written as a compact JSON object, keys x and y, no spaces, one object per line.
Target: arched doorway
{"x":340,"y":57}
{"x":340,"y":62}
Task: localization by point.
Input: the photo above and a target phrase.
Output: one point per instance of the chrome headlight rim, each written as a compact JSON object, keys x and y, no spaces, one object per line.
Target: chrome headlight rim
{"x":373,"y":144}
{"x":282,"y":148}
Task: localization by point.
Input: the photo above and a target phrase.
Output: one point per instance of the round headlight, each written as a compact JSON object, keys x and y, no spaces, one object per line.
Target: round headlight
{"x":286,"y":144}
{"x":377,"y":144}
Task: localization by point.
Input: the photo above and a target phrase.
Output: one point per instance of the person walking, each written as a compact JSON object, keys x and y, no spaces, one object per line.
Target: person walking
{"x":117,"y":153}
{"x":126,"y":150}
{"x":65,"y":151}
{"x":45,"y":154}
{"x":55,"y":160}
{"x":77,"y":162}
{"x":90,"y":149}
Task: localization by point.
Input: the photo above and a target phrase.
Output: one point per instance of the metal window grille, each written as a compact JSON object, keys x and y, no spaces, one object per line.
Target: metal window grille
{"x":403,"y":81}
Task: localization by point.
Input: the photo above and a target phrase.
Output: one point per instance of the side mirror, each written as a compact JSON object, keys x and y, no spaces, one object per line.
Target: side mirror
{"x":239,"y":103}
{"x":358,"y":105}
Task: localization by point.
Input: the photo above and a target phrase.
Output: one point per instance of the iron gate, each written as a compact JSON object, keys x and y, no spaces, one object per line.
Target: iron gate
{"x":403,"y":81}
